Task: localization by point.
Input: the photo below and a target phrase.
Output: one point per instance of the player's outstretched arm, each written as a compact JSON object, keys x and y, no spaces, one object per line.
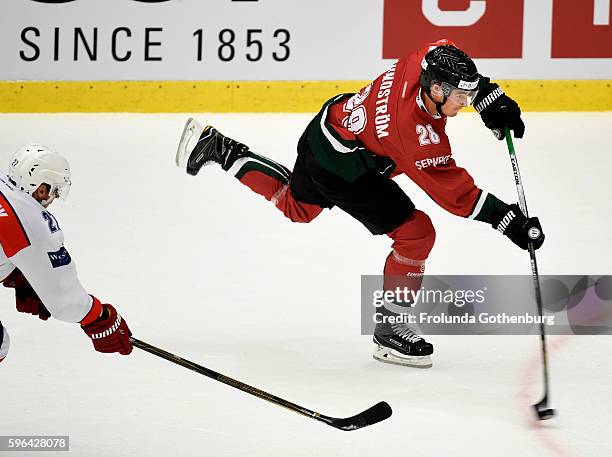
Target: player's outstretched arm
{"x":497,"y":110}
{"x":63,"y":295}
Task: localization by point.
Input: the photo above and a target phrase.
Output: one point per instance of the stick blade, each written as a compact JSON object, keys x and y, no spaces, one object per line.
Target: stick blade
{"x":377,"y":413}
{"x":542,"y":411}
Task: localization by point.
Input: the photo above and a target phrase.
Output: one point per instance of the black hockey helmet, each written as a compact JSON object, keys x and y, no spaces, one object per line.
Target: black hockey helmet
{"x":453,"y":69}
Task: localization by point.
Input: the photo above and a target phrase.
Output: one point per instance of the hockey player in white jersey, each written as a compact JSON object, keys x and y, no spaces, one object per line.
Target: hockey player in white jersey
{"x":34,"y":260}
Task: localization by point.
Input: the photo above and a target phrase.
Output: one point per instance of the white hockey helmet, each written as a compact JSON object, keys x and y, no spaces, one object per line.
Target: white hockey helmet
{"x":35,"y":164}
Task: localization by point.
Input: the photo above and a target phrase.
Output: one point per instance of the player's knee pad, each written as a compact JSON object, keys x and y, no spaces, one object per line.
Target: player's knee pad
{"x":5,"y":342}
{"x":415,"y":237}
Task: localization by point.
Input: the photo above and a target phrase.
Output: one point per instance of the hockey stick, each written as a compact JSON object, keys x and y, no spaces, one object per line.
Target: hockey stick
{"x":541,"y":408}
{"x":376,"y":413}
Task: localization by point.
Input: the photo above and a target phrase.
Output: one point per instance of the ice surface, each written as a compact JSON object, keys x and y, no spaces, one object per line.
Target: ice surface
{"x":203,"y":268}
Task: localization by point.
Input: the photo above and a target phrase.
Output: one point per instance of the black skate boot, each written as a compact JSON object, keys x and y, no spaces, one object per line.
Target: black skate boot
{"x":200,"y":146}
{"x":398,"y":343}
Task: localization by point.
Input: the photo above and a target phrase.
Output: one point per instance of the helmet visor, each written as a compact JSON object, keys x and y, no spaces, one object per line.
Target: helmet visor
{"x":61,"y":189}
{"x":461,"y":96}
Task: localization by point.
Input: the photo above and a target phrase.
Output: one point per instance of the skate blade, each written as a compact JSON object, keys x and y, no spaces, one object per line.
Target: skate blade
{"x":388,"y":355}
{"x":189,"y":138}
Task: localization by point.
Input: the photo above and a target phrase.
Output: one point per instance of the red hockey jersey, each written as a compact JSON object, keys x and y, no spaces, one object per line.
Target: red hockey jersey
{"x":389,"y":119}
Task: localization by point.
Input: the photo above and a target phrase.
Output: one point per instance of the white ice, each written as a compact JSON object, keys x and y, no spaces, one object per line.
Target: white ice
{"x":206,"y":269}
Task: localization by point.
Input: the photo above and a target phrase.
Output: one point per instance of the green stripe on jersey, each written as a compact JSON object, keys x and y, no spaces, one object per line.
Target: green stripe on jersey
{"x":252,"y":165}
{"x":491,"y":209}
{"x":281,"y":169}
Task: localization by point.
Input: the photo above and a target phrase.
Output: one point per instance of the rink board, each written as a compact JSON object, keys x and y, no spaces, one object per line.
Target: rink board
{"x":258,"y":96}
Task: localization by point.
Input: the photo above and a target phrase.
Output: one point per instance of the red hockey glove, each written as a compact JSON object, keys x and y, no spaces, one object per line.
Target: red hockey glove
{"x":109,"y":333}
{"x":25,"y":297}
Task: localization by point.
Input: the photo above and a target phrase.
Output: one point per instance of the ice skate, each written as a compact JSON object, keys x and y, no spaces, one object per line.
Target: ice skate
{"x":200,"y":146}
{"x":401,"y":345}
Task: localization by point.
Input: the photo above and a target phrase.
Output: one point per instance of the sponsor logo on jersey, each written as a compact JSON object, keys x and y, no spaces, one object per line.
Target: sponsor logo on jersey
{"x":432,"y":161}
{"x":3,"y":212}
{"x":59,"y":258}
{"x":383,"y":118}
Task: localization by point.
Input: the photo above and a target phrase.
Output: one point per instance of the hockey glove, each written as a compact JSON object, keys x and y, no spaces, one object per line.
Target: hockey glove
{"x":520,"y":229}
{"x":109,"y":333}
{"x":497,"y":110}
{"x":26,"y":299}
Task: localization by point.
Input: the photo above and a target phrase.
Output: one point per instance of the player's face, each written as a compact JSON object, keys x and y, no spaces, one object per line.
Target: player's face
{"x":42,"y":194}
{"x":453,"y":105}
{"x":456,"y":99}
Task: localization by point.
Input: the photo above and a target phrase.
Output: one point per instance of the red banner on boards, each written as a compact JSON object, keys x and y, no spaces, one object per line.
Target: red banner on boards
{"x":483,"y":27}
{"x":581,"y":29}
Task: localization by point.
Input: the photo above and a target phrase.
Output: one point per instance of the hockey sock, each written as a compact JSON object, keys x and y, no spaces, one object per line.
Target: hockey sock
{"x":262,"y":175}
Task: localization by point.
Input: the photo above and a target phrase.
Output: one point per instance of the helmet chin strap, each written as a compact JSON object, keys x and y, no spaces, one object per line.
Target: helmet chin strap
{"x":48,"y":201}
{"x":438,"y":104}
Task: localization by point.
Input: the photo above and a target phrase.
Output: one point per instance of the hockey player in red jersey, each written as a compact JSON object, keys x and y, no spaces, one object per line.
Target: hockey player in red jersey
{"x":357,"y":142}
{"x":33,"y":259}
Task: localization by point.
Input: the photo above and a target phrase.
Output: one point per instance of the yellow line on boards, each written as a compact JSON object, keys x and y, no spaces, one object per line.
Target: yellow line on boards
{"x":258,"y":96}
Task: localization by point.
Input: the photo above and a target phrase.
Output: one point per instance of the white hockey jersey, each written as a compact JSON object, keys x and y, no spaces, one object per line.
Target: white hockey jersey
{"x":31,"y":240}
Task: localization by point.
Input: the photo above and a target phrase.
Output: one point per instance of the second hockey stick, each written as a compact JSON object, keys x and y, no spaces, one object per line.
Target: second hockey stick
{"x":541,"y":408}
{"x":376,"y":413}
